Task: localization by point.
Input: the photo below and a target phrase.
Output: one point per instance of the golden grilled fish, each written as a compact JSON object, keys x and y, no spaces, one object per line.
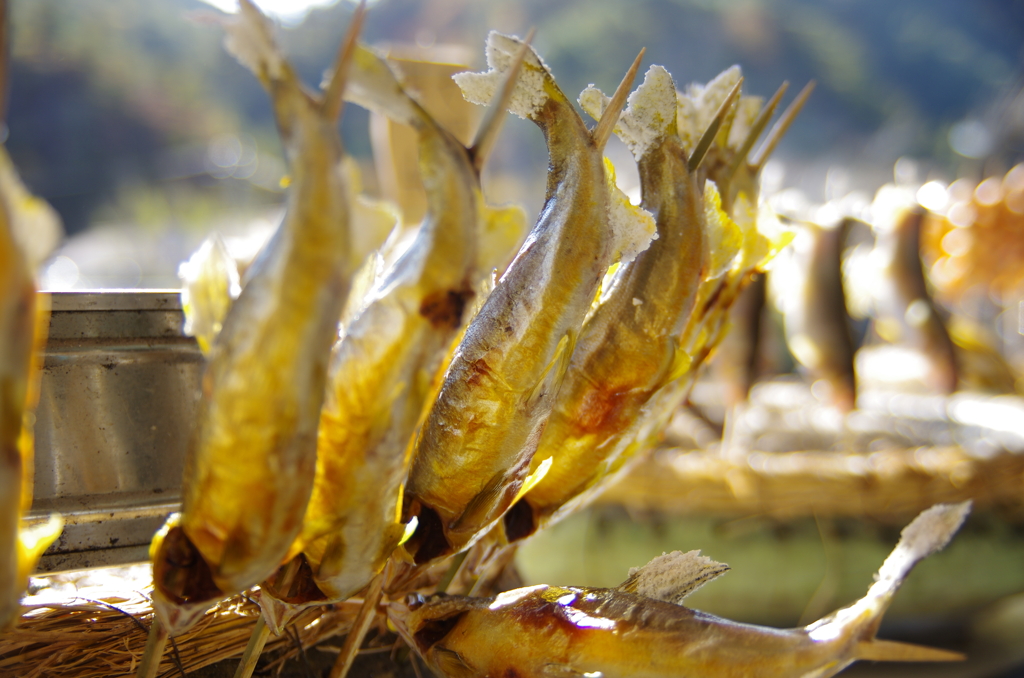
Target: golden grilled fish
{"x":814,"y":312}
{"x":640,"y":629}
{"x":629,"y":346}
{"x":382,"y":369}
{"x":743,"y":235}
{"x":249,"y":468}
{"x":23,"y":323}
{"x":473,"y":451}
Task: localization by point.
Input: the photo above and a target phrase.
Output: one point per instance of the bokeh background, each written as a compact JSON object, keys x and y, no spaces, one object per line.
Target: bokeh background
{"x":130,"y":118}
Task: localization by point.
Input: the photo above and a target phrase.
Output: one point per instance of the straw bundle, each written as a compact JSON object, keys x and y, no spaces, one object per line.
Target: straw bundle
{"x":94,"y":638}
{"x":886,"y":485}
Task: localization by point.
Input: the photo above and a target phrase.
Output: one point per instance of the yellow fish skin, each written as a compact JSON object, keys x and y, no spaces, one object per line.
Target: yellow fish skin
{"x":249,"y":468}
{"x":629,"y":346}
{"x":473,"y":451}
{"x":382,"y":368}
{"x":640,"y":631}
{"x":23,"y":322}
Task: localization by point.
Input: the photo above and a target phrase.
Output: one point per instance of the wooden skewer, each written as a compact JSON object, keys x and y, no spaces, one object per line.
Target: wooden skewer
{"x":154,"y":652}
{"x":367,"y":613}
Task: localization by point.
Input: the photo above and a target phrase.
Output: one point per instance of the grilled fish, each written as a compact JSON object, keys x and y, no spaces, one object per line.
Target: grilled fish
{"x":814,"y":312}
{"x":250,"y":464}
{"x":23,"y":322}
{"x":473,"y":451}
{"x":641,"y":629}
{"x":382,"y":368}
{"x":629,"y":346}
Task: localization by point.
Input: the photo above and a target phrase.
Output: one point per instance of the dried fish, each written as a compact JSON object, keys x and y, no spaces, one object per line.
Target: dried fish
{"x":473,"y":451}
{"x":641,"y":629}
{"x":249,"y":469}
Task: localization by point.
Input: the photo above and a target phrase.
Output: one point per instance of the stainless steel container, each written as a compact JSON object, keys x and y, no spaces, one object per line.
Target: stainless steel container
{"x":119,"y":390}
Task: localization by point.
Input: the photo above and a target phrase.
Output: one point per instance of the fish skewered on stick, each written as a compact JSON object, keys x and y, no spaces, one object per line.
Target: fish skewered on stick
{"x":474,"y":448}
{"x":29,"y":228}
{"x":382,"y":368}
{"x":23,"y":322}
{"x":249,"y":469}
{"x":814,"y":314}
{"x":629,"y":346}
{"x":904,"y":309}
{"x":641,"y":629}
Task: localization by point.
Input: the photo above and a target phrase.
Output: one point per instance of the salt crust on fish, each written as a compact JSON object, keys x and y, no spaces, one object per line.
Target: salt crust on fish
{"x":633,"y":227}
{"x":528,"y":96}
{"x":671,"y":577}
{"x":649,"y":111}
{"x":250,"y":39}
{"x":699,"y":104}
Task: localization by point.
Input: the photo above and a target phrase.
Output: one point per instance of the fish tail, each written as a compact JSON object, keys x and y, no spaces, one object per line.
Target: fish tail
{"x":491,"y":125}
{"x":928,"y":533}
{"x":650,"y":113}
{"x":533,"y":86}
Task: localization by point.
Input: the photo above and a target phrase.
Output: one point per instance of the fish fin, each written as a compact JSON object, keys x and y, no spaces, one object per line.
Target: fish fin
{"x":553,"y":372}
{"x":724,"y":236}
{"x":376,"y":86}
{"x":481,"y":505}
{"x":333,"y":102}
{"x":502,"y":231}
{"x":612,"y":111}
{"x":532,"y":86}
{"x":35,"y":539}
{"x":633,"y":227}
{"x":780,"y":128}
{"x":671,"y":577}
{"x":534,"y":478}
{"x":209,"y":285}
{"x":892,"y":651}
{"x":650,"y":114}
{"x":494,"y":117}
{"x":249,"y":37}
{"x":451,"y":664}
{"x":724,"y":113}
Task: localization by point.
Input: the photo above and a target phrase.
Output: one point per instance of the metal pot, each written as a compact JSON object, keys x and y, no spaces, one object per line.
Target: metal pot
{"x":119,"y":390}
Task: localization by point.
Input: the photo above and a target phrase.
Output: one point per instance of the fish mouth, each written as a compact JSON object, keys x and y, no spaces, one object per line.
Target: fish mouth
{"x":424,"y":622}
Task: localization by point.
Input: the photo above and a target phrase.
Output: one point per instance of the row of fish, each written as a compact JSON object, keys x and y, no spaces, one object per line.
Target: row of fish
{"x":471,"y":396}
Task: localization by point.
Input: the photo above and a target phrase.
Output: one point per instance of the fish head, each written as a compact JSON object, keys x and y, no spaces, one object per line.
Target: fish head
{"x":183,"y":584}
{"x":424,"y":621}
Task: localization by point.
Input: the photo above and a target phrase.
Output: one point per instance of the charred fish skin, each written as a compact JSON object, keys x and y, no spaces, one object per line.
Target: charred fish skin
{"x":628,"y":347}
{"x":249,"y":469}
{"x":473,"y":451}
{"x":639,"y":629}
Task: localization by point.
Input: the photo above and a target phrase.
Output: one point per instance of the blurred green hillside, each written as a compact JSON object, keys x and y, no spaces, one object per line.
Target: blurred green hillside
{"x":131,"y":112}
